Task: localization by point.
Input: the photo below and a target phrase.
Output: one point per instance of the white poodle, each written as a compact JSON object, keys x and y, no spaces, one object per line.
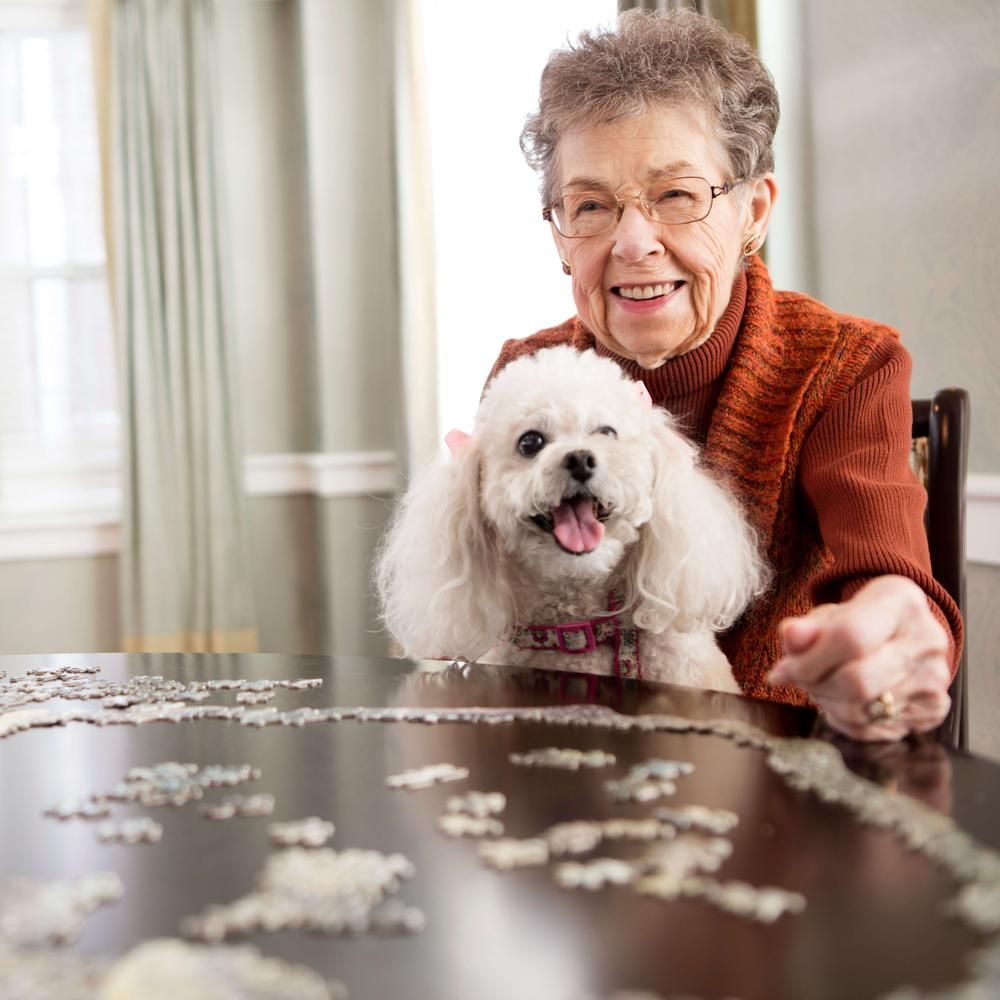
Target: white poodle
{"x":573,"y":530}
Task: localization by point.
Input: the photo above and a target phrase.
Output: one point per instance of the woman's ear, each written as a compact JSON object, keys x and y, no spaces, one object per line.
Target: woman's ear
{"x":697,"y":564}
{"x":439,"y":571}
{"x":763,"y":194}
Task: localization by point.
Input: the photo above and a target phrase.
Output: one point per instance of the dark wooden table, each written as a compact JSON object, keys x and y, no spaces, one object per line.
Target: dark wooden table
{"x":874,"y":916}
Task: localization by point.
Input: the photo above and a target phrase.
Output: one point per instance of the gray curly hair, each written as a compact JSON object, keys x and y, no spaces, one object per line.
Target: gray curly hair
{"x":651,"y":60}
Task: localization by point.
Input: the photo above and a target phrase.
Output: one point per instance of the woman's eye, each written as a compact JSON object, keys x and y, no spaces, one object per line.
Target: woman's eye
{"x":587,"y":206}
{"x":672,"y":194}
{"x":530,"y":443}
{"x":610,"y":431}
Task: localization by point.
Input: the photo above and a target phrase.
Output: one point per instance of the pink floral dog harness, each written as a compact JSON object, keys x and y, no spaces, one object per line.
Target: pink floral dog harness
{"x":586,"y":636}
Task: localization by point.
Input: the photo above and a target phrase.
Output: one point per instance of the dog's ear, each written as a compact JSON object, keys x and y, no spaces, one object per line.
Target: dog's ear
{"x":439,"y":572}
{"x":697,"y":563}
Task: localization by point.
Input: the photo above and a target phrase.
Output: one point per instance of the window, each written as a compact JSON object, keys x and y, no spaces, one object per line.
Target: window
{"x":497,"y":272}
{"x":58,"y":405}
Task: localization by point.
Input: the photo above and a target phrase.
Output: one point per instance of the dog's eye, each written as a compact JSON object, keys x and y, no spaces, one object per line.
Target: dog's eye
{"x":530,"y":443}
{"x":610,"y":431}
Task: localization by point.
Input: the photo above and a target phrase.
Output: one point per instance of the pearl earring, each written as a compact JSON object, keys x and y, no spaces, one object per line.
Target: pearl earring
{"x":754,"y":242}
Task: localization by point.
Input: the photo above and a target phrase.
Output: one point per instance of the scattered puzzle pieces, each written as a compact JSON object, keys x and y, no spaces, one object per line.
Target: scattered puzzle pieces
{"x":574,"y":837}
{"x":805,"y":765}
{"x":173,"y":784}
{"x":648,"y":781}
{"x":424,"y":777}
{"x":717,"y":821}
{"x":253,"y":697}
{"x":319,"y":890}
{"x":507,"y":854}
{"x":130,"y":831}
{"x":593,"y":875}
{"x":477,"y":803}
{"x":168,"y":968}
{"x":35,"y":912}
{"x":79,"y":809}
{"x":563,"y":758}
{"x":462,"y":825}
{"x":311,"y":832}
{"x":238,"y":806}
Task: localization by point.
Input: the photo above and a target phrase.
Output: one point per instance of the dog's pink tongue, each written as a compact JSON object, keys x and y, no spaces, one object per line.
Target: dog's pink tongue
{"x":576,"y":527}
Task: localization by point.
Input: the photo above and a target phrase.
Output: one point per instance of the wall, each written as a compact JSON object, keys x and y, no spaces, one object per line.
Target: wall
{"x":984,"y":677}
{"x":905,"y":105}
{"x":59,"y":605}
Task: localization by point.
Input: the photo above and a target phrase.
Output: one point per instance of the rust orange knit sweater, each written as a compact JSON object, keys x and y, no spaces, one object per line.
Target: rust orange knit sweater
{"x":805,"y":413}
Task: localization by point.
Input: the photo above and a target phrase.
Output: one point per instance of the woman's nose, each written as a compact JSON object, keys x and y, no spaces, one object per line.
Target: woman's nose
{"x":636,"y":236}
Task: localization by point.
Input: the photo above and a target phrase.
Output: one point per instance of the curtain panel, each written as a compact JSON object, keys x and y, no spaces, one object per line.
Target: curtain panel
{"x":185,"y":578}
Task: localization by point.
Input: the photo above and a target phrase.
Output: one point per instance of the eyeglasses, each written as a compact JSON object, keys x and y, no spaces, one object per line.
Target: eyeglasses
{"x":672,"y":202}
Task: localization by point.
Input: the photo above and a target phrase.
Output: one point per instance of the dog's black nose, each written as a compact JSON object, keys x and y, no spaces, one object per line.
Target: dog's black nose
{"x":580,"y":465}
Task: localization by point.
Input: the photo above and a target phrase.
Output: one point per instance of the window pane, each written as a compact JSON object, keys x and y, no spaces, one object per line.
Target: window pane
{"x":473,"y":131}
{"x":93,"y":389}
{"x":74,"y":380}
{"x":17,"y":400}
{"x":50,"y":195}
{"x":57,"y":380}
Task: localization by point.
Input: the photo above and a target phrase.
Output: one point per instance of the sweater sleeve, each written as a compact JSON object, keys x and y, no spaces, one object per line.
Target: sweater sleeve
{"x":869,"y":507}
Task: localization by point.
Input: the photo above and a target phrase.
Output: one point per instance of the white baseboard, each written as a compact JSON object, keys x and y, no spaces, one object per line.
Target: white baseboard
{"x":87,"y":522}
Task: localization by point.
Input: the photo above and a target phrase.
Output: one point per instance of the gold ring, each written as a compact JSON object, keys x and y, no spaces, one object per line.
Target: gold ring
{"x":883,"y":708}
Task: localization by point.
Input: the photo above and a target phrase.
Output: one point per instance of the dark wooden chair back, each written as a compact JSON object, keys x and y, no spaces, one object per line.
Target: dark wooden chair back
{"x":941,"y":442}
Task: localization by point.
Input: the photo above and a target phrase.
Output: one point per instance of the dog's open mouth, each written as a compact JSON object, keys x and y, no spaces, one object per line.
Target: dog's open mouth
{"x":577,"y":524}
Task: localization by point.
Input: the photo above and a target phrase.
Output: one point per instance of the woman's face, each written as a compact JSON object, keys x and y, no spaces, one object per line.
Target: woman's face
{"x":696,"y":262}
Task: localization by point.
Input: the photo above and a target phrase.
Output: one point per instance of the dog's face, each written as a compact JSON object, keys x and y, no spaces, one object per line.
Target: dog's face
{"x":570,"y":474}
{"x":567,"y":467}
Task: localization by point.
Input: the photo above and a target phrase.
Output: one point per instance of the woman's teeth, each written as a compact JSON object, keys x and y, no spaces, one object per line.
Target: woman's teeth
{"x":647,"y":291}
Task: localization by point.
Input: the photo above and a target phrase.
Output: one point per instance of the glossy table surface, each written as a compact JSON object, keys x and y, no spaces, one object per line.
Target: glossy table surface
{"x":874,"y":917}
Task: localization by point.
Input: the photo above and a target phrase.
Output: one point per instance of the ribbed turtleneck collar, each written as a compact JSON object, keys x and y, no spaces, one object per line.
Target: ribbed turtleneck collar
{"x":690,"y":372}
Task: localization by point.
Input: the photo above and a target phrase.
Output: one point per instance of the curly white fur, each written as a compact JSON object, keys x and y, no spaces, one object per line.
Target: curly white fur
{"x":463,"y":562}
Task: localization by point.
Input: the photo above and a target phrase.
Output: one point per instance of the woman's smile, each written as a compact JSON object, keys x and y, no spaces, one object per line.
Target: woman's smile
{"x":640,"y":300}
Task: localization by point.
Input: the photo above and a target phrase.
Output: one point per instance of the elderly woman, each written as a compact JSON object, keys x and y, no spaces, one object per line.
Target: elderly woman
{"x":654,"y":143}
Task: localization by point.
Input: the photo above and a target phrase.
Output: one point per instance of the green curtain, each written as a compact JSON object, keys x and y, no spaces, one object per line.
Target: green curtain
{"x":185,"y":582}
